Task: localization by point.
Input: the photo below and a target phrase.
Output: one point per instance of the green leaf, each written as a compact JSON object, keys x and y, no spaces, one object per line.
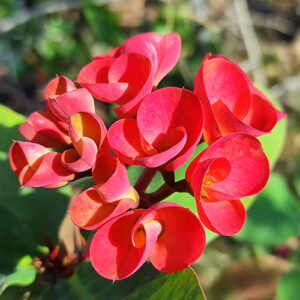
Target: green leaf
{"x":146,"y":283}
{"x":274,"y":216}
{"x":23,"y":274}
{"x":272,"y":143}
{"x":25,"y":213}
{"x":9,"y":123}
{"x":288,"y":287}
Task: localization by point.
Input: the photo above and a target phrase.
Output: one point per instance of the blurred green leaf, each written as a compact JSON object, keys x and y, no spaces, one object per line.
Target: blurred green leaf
{"x":274,"y":216}
{"x":23,"y":274}
{"x":9,"y":121}
{"x":25,"y":213}
{"x":272,"y":143}
{"x":146,"y":283}
{"x":288,"y":287}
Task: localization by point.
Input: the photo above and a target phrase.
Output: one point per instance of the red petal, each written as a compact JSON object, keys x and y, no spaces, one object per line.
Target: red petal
{"x":76,"y":162}
{"x":111,"y":177}
{"x":108,"y":92}
{"x":163,"y":111}
{"x":222,"y":217}
{"x":41,"y":128}
{"x":249,"y":166}
{"x":89,"y":210}
{"x":163,"y":51}
{"x":45,"y":171}
{"x":57,"y":86}
{"x":262,"y":115}
{"x":225,"y":81}
{"x":112,"y":253}
{"x":229,"y":123}
{"x":22,"y":154}
{"x":67,"y":104}
{"x":182,"y":239}
{"x":89,"y":125}
{"x":95,"y":72}
{"x":124,"y":139}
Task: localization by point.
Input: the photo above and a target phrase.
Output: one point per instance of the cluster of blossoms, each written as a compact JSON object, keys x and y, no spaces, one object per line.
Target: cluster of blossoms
{"x":158,"y":129}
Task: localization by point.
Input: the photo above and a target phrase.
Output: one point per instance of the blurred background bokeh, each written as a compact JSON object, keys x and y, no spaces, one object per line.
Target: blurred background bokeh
{"x":39,"y":39}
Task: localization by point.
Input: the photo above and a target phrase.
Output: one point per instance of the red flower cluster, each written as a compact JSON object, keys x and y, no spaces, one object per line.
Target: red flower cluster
{"x":158,"y":129}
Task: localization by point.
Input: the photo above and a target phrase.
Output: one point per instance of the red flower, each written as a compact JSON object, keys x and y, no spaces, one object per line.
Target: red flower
{"x":68,"y":123}
{"x":88,"y":135}
{"x":50,"y":127}
{"x":166,"y":131}
{"x":169,"y":234}
{"x":125,"y":80}
{"x":162,"y":50}
{"x":111,"y":196}
{"x":231,"y":102}
{"x":36,"y":166}
{"x":233,"y":167}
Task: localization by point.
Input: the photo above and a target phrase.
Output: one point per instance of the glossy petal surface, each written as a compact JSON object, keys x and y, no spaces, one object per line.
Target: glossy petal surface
{"x":168,"y":127}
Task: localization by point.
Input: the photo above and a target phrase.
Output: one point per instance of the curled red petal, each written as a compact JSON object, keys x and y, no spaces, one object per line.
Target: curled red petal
{"x":163,"y":51}
{"x":222,"y":217}
{"x":57,"y":86}
{"x":67,"y":104}
{"x":249,"y":166}
{"x":75,"y":162}
{"x":229,"y":123}
{"x":112,"y":253}
{"x":89,"y":210}
{"x":181,"y":240}
{"x":22,"y":154}
{"x":86,"y":124}
{"x":41,"y":128}
{"x":124,"y":139}
{"x":108,"y":92}
{"x":111,"y":177}
{"x":95,"y":72}
{"x":47,"y":170}
{"x":165,"y":110}
{"x":225,"y":81}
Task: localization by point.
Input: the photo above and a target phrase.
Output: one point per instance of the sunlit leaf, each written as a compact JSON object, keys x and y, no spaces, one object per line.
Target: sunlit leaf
{"x":147,"y":283}
{"x":23,"y":274}
{"x":288,"y":287}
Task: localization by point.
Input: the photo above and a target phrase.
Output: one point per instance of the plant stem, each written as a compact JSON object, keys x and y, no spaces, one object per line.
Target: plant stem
{"x":144,"y":180}
{"x":148,"y":200}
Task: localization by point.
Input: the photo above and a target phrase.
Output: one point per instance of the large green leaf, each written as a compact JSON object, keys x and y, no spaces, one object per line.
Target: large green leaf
{"x":147,"y":283}
{"x":23,"y":274}
{"x":273,"y":217}
{"x":25,"y":213}
{"x":272,"y":143}
{"x":288,"y":287}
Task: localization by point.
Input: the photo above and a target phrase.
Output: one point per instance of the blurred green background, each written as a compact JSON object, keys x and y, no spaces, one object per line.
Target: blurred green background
{"x":39,"y":39}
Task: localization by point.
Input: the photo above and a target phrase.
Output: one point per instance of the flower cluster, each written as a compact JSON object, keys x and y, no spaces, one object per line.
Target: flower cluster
{"x":158,"y":129}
